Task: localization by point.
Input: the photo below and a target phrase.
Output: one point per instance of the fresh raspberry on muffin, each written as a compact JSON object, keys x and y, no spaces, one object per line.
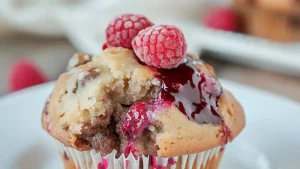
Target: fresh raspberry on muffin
{"x":121,"y":30}
{"x":161,"y":46}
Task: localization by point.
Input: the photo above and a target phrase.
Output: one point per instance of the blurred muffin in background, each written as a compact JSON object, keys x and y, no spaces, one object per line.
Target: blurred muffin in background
{"x":275,"y":20}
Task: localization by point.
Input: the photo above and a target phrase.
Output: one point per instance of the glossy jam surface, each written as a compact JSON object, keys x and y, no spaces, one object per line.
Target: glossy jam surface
{"x":194,"y":93}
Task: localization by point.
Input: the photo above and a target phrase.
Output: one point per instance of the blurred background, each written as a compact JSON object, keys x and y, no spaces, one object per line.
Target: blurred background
{"x":253,"y":42}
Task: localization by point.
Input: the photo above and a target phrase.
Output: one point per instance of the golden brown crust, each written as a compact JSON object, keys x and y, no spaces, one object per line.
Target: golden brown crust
{"x":232,"y":113}
{"x":182,"y":136}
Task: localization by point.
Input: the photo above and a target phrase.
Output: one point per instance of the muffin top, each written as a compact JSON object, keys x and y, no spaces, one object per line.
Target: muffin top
{"x":114,"y":101}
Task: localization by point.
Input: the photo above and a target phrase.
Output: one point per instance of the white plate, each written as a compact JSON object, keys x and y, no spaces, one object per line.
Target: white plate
{"x":270,"y":140}
{"x":248,"y":50}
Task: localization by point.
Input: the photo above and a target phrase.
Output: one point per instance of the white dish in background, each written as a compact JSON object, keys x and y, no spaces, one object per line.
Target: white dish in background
{"x":248,"y":50}
{"x":269,"y":141}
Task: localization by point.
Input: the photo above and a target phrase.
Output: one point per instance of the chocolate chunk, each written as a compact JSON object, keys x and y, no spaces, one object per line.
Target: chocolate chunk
{"x":88,"y":75}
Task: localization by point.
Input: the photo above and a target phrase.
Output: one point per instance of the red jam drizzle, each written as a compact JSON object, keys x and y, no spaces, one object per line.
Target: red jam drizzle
{"x":194,"y":93}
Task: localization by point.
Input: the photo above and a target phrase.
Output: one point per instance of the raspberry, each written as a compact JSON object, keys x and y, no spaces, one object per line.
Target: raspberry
{"x":162,"y":46}
{"x":104,"y":46}
{"x":24,"y":74}
{"x":124,"y":28}
{"x":222,"y":18}
{"x":139,"y":117}
{"x":136,"y":119}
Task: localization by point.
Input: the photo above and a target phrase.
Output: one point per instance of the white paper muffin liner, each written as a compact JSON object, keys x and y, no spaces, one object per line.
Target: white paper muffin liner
{"x":93,"y":160}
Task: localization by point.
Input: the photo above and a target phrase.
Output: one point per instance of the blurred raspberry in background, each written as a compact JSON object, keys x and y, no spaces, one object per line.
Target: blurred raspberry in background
{"x":24,"y":73}
{"x":223,"y":18}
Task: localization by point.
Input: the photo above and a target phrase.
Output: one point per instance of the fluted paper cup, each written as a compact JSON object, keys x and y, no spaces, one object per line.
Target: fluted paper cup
{"x":74,"y":159}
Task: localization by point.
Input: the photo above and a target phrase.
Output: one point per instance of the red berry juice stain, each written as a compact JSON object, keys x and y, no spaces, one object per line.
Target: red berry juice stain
{"x":171,"y":161}
{"x":226,"y":133}
{"x":103,"y":164}
{"x":153,"y":163}
{"x":129,"y":149}
{"x":194,"y":93}
{"x":104,"y":46}
{"x":127,"y":164}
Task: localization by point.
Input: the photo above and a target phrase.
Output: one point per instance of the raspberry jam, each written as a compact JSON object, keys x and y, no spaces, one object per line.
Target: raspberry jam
{"x":194,"y":93}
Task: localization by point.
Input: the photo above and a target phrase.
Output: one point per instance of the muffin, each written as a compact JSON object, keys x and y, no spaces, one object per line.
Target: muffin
{"x":283,"y":16}
{"x":129,"y":107}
